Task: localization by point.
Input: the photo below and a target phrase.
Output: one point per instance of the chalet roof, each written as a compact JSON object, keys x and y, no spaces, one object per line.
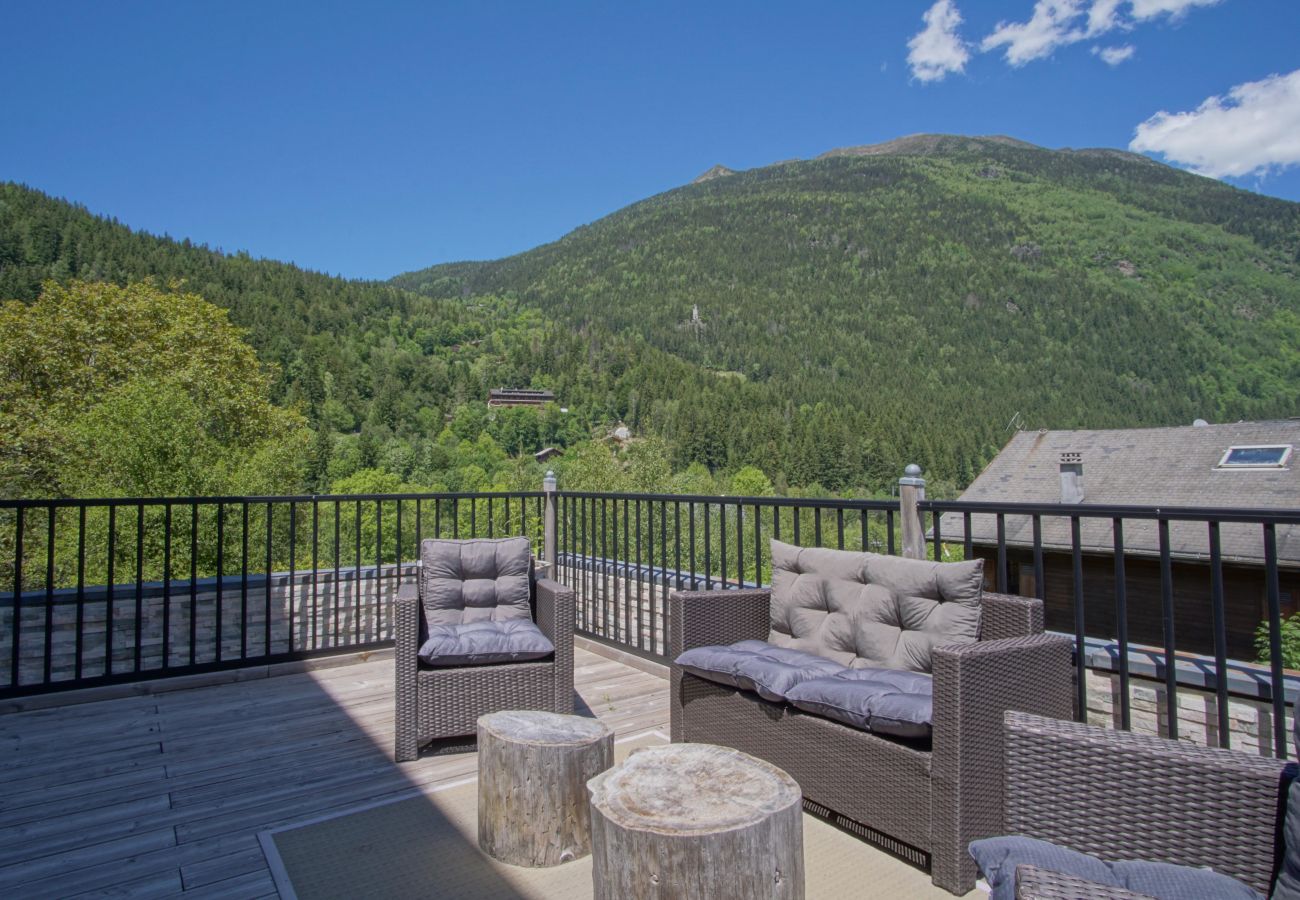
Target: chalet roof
{"x":1164,"y":467}
{"x":522,"y":393}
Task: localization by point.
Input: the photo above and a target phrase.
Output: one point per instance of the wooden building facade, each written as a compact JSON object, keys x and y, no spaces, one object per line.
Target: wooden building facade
{"x":1243,"y":465}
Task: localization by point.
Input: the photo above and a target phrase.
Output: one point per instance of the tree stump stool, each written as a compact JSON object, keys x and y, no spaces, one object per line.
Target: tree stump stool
{"x":533,"y":768}
{"x":696,"y":821}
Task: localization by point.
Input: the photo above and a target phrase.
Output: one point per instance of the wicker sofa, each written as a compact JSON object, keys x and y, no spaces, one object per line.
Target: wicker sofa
{"x":1118,"y":795}
{"x":433,"y":703}
{"x":918,"y":801}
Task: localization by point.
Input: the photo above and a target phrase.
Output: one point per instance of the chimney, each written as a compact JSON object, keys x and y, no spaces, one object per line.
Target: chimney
{"x":1071,"y":477}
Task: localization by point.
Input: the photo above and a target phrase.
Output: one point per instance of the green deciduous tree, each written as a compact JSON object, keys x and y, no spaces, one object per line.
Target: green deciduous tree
{"x":110,"y":390}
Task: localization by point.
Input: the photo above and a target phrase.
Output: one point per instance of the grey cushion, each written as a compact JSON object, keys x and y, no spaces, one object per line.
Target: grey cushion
{"x":1288,"y":877}
{"x":484,"y":642}
{"x":756,"y":666}
{"x":884,"y":701}
{"x":998,"y":857}
{"x":869,"y":610}
{"x":475,"y":580}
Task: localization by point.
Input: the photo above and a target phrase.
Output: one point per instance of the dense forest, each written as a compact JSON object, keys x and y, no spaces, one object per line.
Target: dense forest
{"x":805,"y":327}
{"x":928,"y":295}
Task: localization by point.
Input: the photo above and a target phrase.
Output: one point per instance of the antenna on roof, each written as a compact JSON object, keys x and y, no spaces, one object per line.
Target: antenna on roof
{"x":1015,"y":422}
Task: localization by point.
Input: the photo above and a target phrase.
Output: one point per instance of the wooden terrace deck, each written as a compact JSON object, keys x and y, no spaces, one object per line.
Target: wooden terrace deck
{"x":164,"y":794}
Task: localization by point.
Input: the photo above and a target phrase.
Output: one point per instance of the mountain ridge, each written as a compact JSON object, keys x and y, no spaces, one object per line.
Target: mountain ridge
{"x":944,"y":283}
{"x":856,"y":313}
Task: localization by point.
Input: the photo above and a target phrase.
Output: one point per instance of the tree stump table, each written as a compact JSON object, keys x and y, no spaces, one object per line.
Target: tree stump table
{"x":533,"y":768}
{"x":696,"y":821}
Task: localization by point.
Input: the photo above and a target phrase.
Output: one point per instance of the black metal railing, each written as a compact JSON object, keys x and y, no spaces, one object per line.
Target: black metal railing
{"x":1159,"y":599}
{"x":623,"y":553}
{"x":1176,"y":600}
{"x":102,"y":591}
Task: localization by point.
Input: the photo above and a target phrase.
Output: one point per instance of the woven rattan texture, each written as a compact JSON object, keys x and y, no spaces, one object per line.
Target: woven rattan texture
{"x":1033,"y":883}
{"x":439,"y":703}
{"x":1120,"y":795}
{"x":934,"y":801}
{"x":717,"y":617}
{"x":1005,"y":615}
{"x":974,"y":684}
{"x":866,"y":778}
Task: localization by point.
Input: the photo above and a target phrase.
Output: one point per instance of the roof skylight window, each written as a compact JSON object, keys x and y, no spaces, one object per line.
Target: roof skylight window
{"x":1257,"y":456}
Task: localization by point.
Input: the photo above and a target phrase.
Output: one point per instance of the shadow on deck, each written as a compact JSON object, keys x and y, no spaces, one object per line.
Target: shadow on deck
{"x":166,"y":793}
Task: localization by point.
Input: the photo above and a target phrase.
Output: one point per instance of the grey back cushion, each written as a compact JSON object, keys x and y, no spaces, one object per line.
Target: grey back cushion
{"x":866,"y":610}
{"x":475,"y":580}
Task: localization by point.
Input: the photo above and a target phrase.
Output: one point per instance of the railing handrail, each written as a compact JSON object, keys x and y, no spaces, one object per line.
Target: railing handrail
{"x":235,"y":499}
{"x":1224,"y":514}
{"x":870,"y":503}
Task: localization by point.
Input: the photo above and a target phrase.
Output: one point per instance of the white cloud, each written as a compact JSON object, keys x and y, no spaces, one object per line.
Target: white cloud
{"x":1050,"y":26}
{"x":1253,"y":130}
{"x":1113,"y":56}
{"x":1175,"y":9}
{"x":1059,"y":23}
{"x":1103,"y":16}
{"x":936,"y":50}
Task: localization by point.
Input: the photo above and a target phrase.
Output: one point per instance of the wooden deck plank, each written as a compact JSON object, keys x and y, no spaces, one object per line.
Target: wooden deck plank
{"x":165,"y":793}
{"x":156,"y":884}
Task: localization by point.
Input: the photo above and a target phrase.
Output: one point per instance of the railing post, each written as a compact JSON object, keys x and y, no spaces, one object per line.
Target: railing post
{"x":911,"y":491}
{"x":548,"y":523}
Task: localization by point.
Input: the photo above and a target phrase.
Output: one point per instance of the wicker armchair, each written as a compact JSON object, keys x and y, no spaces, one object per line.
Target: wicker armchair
{"x":446,"y":702}
{"x":1118,"y":795}
{"x":915,"y":801}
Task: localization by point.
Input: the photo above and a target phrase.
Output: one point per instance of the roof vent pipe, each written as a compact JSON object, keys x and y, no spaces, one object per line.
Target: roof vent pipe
{"x":1071,"y":477}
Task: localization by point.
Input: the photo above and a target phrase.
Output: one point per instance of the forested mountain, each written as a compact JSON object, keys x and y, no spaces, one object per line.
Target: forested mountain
{"x":826,"y":321}
{"x":917,"y":297}
{"x":389,"y":380}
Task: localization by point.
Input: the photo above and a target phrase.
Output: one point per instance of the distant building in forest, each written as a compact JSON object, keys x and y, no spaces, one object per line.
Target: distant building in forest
{"x":519,"y":397}
{"x":547,"y":453}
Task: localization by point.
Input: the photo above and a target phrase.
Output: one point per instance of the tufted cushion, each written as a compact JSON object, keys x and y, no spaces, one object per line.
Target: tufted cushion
{"x":998,"y":857}
{"x":484,"y":642}
{"x":883,"y":701}
{"x":870,"y":610}
{"x":475,"y":580}
{"x":756,"y":666}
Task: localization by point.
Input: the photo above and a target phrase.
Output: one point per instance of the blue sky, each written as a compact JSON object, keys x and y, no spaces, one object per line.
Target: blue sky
{"x":373,"y":138}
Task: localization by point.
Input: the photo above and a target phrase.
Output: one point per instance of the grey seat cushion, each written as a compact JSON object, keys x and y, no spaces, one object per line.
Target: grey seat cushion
{"x":869,"y":610}
{"x":484,"y":642}
{"x":475,"y":580}
{"x":998,"y":857}
{"x":1288,"y":877}
{"x":883,"y":701}
{"x":757,"y":666}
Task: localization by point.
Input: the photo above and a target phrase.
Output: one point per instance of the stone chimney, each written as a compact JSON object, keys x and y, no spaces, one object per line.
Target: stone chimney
{"x":1071,"y":477}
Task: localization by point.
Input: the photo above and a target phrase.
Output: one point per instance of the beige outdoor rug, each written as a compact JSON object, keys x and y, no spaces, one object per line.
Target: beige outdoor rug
{"x":426,"y":846}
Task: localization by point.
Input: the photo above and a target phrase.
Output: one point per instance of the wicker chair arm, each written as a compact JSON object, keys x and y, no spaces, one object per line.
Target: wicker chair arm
{"x":701,"y":618}
{"x":1007,"y":615}
{"x":1033,"y":883}
{"x":406,"y":623}
{"x":555,"y":609}
{"x":1119,"y":795}
{"x":406,"y":648}
{"x":974,"y":684}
